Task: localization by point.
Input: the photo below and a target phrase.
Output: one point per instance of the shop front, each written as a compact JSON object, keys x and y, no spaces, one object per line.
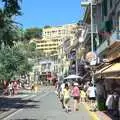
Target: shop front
{"x":107,"y":82}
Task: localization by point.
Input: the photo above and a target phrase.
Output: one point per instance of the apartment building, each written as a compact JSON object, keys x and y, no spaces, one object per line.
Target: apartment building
{"x":52,"y":37}
{"x":106,"y":25}
{"x":59,"y":31}
{"x":106,"y":18}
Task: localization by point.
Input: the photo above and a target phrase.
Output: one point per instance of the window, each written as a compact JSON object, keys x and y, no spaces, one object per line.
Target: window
{"x":104,"y":8}
{"x":111,"y":4}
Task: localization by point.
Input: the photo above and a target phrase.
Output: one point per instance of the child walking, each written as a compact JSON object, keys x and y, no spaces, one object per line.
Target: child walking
{"x":83,"y":96}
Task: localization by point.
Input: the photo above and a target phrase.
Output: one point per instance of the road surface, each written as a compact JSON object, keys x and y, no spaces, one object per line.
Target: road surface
{"x":46,"y":106}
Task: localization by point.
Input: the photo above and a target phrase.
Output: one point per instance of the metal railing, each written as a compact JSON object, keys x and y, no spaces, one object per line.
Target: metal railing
{"x":115,"y":36}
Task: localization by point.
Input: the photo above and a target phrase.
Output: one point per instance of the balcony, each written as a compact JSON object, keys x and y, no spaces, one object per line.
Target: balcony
{"x":114,"y":42}
{"x":88,"y":30}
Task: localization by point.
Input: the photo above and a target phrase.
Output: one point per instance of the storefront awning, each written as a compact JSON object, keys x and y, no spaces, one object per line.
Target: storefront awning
{"x":103,"y":69}
{"x":113,"y":69}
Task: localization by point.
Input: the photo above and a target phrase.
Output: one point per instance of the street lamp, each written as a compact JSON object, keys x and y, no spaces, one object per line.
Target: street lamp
{"x":92,"y":47}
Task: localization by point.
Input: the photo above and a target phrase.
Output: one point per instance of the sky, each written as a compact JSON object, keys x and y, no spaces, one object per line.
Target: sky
{"x":38,"y":13}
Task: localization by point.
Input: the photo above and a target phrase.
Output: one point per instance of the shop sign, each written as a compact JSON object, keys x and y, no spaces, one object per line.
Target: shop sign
{"x":90,"y":56}
{"x":72,"y":55}
{"x":66,"y":45}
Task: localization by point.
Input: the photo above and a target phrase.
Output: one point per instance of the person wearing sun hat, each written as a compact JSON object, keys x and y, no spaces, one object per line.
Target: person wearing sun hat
{"x":76,"y":95}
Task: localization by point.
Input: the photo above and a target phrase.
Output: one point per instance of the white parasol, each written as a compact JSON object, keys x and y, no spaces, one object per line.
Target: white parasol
{"x":73,"y":77}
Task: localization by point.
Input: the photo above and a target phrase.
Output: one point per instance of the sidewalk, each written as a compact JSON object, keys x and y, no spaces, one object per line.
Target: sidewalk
{"x":98,"y":115}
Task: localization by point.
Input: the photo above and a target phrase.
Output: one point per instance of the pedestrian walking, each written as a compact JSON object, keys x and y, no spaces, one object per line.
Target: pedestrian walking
{"x":10,"y":88}
{"x":83,"y":95}
{"x":66,"y":96}
{"x":91,"y":93}
{"x":76,"y":96}
{"x":61,"y":94}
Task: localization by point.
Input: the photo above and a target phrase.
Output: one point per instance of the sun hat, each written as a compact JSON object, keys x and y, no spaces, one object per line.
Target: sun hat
{"x":76,"y":84}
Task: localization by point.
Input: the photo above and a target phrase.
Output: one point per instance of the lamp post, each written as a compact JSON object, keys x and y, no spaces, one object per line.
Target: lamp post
{"x":92,"y":46}
{"x":76,"y":63}
{"x":92,"y":43}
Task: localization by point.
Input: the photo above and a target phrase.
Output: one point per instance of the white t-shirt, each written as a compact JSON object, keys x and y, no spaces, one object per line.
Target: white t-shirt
{"x":91,"y":91}
{"x":62,"y":87}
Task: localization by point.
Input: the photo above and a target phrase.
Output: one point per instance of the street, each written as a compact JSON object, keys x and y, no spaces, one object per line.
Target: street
{"x":46,"y":106}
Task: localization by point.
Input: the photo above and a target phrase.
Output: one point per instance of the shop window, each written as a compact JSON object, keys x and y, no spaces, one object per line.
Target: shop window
{"x":109,"y":26}
{"x":104,"y":7}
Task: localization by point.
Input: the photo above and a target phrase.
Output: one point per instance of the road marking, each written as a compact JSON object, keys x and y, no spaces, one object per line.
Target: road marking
{"x":92,"y":114}
{"x":12,"y":114}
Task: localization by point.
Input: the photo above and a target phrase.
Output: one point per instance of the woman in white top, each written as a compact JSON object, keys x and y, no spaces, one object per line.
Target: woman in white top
{"x":91,"y":93}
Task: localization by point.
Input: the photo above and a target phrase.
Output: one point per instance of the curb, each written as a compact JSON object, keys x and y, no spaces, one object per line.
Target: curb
{"x":103,"y":116}
{"x":93,"y":115}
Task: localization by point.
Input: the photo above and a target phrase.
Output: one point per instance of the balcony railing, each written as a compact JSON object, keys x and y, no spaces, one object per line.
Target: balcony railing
{"x":114,"y":37}
{"x":88,"y":30}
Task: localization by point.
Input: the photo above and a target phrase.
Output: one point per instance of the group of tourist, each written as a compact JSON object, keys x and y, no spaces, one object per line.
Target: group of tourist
{"x":11,"y":88}
{"x":79,"y":93}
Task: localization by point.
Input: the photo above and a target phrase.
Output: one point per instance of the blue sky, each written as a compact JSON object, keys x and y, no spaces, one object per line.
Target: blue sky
{"x":38,"y":13}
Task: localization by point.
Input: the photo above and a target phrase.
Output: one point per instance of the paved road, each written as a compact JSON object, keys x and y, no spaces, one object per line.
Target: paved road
{"x":47,"y":107}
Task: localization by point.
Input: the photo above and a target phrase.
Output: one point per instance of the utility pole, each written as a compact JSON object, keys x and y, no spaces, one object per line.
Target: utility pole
{"x":76,"y":63}
{"x":92,"y":42}
{"x":92,"y":46}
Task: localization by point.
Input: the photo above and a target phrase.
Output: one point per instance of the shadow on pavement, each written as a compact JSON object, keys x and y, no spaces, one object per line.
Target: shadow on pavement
{"x":25,"y":119}
{"x":16,"y":103}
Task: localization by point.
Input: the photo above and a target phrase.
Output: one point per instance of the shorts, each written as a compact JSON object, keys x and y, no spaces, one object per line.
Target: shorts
{"x":66,"y":100}
{"x":76,"y":97}
{"x":91,"y":98}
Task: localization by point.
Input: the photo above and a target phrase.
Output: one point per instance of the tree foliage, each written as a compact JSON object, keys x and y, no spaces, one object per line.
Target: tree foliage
{"x":8,"y":28}
{"x":47,"y":26}
{"x":32,"y":33}
{"x":13,"y":62}
{"x":12,"y":7}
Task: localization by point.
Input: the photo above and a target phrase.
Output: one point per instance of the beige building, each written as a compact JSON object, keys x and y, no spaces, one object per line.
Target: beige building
{"x":52,"y":41}
{"x":52,"y":37}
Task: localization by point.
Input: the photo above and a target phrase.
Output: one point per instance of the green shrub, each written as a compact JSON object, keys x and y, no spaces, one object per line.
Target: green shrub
{"x":101,"y":105}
